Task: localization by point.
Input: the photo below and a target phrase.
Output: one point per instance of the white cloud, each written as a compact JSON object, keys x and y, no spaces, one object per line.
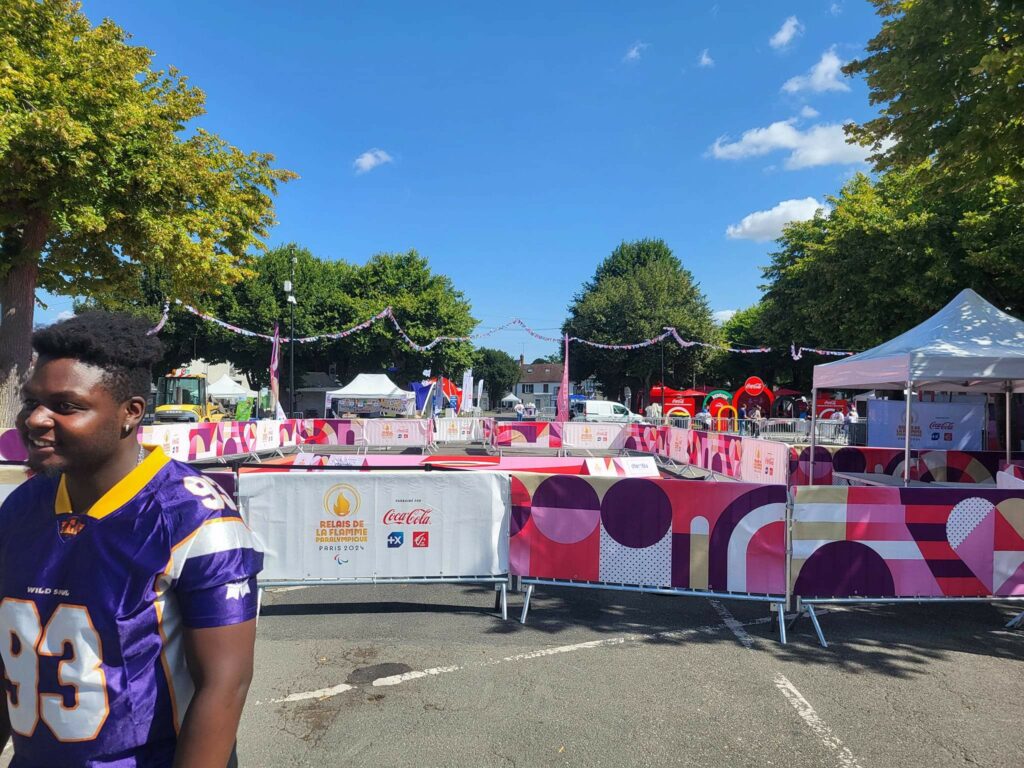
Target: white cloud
{"x":723,"y":315}
{"x":761,"y":226}
{"x":823,"y":76}
{"x":67,"y":314}
{"x":633,"y":54}
{"x":705,"y":60}
{"x":836,"y":9}
{"x":371,"y":159}
{"x":790,"y":28}
{"x":822,"y":144}
{"x":809,"y":112}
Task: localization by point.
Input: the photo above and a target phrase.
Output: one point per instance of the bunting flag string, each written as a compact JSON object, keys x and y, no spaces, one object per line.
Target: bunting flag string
{"x":163,"y":320}
{"x":797,"y":352}
{"x":388,"y":313}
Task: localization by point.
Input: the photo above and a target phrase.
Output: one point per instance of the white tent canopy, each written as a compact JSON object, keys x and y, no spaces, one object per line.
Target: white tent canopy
{"x":510,"y":398}
{"x":370,"y":386}
{"x":967,"y":345}
{"x":226,"y":388}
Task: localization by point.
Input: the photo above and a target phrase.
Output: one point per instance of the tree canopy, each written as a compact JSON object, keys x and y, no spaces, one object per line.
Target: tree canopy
{"x":499,"y":371}
{"x":331,"y":296}
{"x":634,"y":293}
{"x":102,"y":175}
{"x":949,"y":76}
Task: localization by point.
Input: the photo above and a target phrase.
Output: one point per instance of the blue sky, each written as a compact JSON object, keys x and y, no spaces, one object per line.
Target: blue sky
{"x":515,"y":145}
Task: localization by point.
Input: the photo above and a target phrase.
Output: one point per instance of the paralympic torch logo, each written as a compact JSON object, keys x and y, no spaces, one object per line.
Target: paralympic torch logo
{"x":341,"y":500}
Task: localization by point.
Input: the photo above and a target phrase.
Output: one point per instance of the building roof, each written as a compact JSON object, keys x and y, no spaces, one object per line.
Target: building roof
{"x":540,"y":373}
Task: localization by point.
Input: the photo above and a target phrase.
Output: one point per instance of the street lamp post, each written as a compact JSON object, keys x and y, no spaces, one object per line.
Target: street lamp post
{"x":289,"y":286}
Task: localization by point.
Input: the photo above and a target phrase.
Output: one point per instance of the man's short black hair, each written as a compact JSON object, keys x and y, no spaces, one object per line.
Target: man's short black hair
{"x":114,"y":341}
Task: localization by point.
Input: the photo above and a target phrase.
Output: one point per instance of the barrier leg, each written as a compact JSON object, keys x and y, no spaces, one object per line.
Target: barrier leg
{"x":1016,"y":621}
{"x":497,"y":596}
{"x":817,"y":627}
{"x":526,"y":603}
{"x":782,"y":622}
{"x":259,"y":603}
{"x":504,"y":602}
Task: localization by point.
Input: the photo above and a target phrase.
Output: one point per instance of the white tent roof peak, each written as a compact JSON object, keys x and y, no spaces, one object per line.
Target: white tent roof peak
{"x":969,"y":344}
{"x":369,"y":386}
{"x":227,"y":387}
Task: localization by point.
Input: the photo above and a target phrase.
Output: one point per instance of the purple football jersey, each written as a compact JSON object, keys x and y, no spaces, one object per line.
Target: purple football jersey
{"x":93,"y":605}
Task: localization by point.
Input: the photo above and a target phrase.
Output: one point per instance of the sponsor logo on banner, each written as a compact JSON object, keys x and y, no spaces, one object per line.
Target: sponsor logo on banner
{"x":387,"y":432}
{"x":339,"y":561}
{"x":341,"y":500}
{"x":417,"y":516}
{"x":341,"y":532}
{"x":396,"y":539}
{"x":421,"y":538}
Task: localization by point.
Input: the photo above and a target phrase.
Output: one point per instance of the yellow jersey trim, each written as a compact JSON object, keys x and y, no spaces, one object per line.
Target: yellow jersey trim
{"x":126,"y":489}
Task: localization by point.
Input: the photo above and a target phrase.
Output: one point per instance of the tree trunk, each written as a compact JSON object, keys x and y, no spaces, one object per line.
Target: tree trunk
{"x":17,"y":304}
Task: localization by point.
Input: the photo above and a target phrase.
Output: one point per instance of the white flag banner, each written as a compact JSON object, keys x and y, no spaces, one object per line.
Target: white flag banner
{"x":345,"y":526}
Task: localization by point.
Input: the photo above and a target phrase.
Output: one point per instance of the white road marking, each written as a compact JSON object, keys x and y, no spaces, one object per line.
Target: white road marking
{"x":321,"y":693}
{"x":815,"y":723}
{"x":415,"y":675}
{"x":731,"y":622}
{"x":405,"y":677}
{"x":802,"y":706}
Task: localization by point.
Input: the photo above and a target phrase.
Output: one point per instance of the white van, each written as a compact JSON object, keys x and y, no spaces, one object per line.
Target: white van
{"x":602,"y":410}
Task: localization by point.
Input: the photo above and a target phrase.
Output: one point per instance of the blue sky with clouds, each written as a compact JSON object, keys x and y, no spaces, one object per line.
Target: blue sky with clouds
{"x":515,"y":145}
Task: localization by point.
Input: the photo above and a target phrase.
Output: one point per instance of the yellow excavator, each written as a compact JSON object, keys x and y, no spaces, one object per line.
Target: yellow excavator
{"x":181,"y":398}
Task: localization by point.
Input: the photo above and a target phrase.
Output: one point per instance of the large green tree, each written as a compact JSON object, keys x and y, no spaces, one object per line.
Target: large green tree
{"x":102,"y":175}
{"x":949,"y":78}
{"x":499,"y":371}
{"x":634,"y":293}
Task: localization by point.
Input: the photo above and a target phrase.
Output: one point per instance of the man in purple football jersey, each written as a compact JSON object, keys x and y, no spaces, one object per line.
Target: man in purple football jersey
{"x":127,"y":580}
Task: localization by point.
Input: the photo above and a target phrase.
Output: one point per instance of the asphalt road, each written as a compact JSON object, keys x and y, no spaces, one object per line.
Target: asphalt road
{"x":430,"y":676}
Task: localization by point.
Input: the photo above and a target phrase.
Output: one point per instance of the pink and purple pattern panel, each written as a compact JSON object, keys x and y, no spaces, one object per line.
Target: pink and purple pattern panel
{"x":536,"y":434}
{"x":907,"y":542}
{"x":707,"y":537}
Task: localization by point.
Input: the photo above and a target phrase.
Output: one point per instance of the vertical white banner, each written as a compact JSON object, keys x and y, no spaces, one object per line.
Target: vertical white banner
{"x":324,"y":526}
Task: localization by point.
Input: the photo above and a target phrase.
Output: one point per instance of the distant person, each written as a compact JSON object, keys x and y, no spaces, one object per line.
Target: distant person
{"x":127,"y":580}
{"x":704,"y":418}
{"x":755,"y":420}
{"x":520,"y":411}
{"x":742,"y":414}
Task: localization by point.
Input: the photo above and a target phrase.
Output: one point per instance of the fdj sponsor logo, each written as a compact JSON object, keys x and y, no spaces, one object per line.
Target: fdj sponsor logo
{"x":395,"y":539}
{"x":421,"y":538}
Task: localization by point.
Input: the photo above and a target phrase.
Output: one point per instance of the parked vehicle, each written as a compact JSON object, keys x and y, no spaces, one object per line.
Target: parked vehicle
{"x":602,"y":410}
{"x":181,"y":397}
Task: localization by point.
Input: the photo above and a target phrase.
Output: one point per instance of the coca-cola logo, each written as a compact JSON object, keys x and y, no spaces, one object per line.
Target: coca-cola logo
{"x":418,"y":516}
{"x":754,"y":387}
{"x":941,"y":425}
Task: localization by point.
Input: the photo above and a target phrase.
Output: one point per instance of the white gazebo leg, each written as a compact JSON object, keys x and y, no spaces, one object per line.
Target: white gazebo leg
{"x":906,"y":436}
{"x":1009,"y":392}
{"x":814,"y":430}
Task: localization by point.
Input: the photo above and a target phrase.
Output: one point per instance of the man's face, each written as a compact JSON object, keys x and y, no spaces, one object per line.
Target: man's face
{"x":69,"y":420}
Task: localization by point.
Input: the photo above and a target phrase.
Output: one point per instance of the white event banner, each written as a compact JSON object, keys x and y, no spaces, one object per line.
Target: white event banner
{"x":942,"y":426}
{"x":764,"y":461}
{"x":462,"y":429}
{"x":354,"y":526}
{"x":594,"y":435}
{"x":405,"y":433}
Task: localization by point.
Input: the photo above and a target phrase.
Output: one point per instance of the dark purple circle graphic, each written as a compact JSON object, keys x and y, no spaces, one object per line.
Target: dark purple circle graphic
{"x":636,"y":513}
{"x":11,"y":447}
{"x":845,"y":569}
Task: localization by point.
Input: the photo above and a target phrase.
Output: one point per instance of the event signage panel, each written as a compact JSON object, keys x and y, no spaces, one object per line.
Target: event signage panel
{"x":907,"y":542}
{"x":941,"y":426}
{"x":594,"y":435}
{"x":710,"y":537}
{"x":340,"y":526}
